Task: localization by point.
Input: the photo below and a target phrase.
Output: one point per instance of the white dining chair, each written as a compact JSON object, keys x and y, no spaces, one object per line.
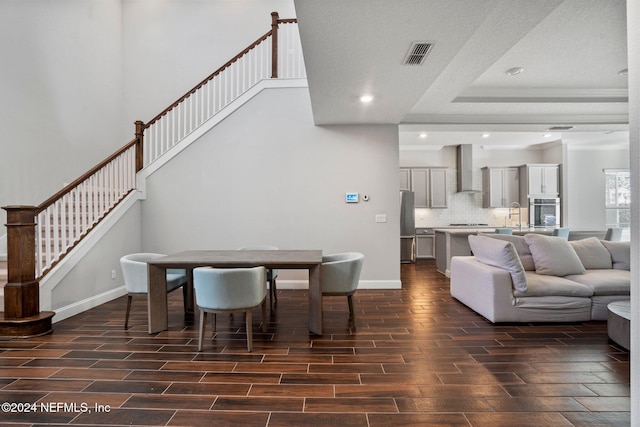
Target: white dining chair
{"x":134,"y":272}
{"x":228,"y":290}
{"x":339,"y":275}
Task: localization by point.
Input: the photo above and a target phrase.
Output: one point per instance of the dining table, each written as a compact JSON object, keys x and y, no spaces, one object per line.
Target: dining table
{"x":157,"y":309}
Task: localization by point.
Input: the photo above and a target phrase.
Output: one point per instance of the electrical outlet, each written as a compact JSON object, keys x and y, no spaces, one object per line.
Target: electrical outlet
{"x":113,"y":274}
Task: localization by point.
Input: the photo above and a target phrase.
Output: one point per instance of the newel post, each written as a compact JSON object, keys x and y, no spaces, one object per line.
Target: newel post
{"x":274,"y":45}
{"x":139,"y":145}
{"x":22,"y":292}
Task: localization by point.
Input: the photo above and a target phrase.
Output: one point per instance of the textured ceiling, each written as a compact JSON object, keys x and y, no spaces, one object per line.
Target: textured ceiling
{"x":571,"y":52}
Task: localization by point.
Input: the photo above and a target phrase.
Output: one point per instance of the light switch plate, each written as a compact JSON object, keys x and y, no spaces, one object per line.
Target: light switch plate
{"x":381,"y":218}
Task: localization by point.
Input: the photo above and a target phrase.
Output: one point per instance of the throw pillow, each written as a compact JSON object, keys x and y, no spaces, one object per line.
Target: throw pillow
{"x":553,"y":256}
{"x":620,"y":254}
{"x":521,"y":248}
{"x":502,"y":254}
{"x":592,"y":253}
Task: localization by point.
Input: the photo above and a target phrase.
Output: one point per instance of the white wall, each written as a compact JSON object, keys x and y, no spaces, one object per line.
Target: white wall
{"x":268,"y":175}
{"x":584,"y":195}
{"x":61,"y":86}
{"x":170,"y":45}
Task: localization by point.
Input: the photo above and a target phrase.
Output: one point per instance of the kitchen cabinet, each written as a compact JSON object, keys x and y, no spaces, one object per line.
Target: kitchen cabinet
{"x":405,"y":179}
{"x":425,"y":246}
{"x":541,"y":181}
{"x":429,"y":186}
{"x":500,"y":187}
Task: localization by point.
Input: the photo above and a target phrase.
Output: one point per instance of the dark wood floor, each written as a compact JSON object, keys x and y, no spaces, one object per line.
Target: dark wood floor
{"x":418,"y":358}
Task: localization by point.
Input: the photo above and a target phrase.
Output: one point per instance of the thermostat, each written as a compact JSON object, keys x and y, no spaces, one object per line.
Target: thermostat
{"x":351,"y":198}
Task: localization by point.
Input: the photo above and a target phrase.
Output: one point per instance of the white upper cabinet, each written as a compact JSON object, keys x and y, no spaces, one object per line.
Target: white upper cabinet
{"x":428,"y":184}
{"x":542,"y":181}
{"x":500,"y":187}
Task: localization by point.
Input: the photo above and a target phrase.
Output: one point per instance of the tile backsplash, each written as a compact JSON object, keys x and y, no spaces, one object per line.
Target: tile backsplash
{"x":464,"y":208}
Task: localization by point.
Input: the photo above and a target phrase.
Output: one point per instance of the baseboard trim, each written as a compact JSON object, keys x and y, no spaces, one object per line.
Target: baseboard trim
{"x":363,"y":284}
{"x":88,"y":303}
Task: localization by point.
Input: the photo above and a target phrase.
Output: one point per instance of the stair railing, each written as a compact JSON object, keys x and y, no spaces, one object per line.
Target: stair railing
{"x":38,"y":237}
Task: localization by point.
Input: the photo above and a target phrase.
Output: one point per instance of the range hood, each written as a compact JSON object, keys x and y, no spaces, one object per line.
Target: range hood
{"x":464,"y":164}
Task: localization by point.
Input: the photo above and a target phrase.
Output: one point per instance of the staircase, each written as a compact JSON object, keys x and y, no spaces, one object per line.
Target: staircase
{"x":3,"y":280}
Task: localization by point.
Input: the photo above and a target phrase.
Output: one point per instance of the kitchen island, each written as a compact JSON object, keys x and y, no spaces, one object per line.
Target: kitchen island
{"x":454,"y":241}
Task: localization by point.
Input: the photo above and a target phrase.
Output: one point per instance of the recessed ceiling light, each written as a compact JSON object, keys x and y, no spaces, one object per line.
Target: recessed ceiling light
{"x":514,"y":71}
{"x":423,"y":135}
{"x":486,"y":135}
{"x":624,"y":72}
{"x":365,"y":99}
{"x":547,"y":135}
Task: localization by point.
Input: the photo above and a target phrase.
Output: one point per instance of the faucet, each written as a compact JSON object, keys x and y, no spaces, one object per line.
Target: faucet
{"x":517,"y":206}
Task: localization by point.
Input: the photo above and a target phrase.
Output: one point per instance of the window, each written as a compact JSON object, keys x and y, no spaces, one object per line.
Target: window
{"x":617,"y":195}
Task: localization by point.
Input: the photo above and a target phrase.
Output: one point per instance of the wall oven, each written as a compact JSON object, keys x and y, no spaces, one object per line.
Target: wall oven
{"x":544,"y":212}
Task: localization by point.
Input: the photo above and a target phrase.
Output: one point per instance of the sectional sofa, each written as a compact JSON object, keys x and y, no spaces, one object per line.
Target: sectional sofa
{"x":536,"y":278}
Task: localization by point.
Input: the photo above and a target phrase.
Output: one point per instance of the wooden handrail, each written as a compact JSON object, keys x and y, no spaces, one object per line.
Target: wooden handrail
{"x":219,"y":70}
{"x":207,"y":79}
{"x":68,"y":188}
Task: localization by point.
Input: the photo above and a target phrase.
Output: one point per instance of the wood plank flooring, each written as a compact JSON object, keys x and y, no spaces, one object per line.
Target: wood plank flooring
{"x":417,"y":358}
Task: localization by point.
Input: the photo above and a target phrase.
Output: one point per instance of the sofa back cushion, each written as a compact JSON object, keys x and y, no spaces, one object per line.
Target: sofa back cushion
{"x":553,"y":256}
{"x":521,"y":248}
{"x":592,"y":253}
{"x":502,"y":254}
{"x":620,"y":254}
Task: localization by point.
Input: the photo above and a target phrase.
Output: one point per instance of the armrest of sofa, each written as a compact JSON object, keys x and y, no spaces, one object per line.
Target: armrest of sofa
{"x":485,"y":289}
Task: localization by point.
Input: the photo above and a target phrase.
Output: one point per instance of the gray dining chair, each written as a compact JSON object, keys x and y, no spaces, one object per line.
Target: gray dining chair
{"x":272,"y":273}
{"x":339,"y":275}
{"x":229,"y":290}
{"x":134,"y":272}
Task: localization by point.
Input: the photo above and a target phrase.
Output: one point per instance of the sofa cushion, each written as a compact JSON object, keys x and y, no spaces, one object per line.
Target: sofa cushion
{"x":605,"y":281}
{"x":592,"y":253}
{"x":553,"y":256}
{"x":499,"y":253}
{"x":620,"y":254}
{"x":539,"y":285}
{"x":521,"y":248}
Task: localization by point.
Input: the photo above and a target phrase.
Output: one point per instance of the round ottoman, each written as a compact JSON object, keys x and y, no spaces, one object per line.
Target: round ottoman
{"x":619,"y":322}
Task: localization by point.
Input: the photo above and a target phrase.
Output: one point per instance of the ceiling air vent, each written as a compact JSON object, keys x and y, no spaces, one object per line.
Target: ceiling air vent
{"x":418,"y":51}
{"x":559,"y":128}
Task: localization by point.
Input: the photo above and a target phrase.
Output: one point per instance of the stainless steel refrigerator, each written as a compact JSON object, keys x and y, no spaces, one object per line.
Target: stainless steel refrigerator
{"x":407,"y":227}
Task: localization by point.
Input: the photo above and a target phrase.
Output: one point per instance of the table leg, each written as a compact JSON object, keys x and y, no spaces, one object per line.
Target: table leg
{"x":157,"y":313}
{"x":190,"y":296}
{"x":315,"y":301}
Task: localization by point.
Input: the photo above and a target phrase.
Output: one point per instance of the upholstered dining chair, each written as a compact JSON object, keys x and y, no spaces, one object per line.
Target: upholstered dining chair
{"x":339,"y":275}
{"x":272,"y":273}
{"x":228,"y":290}
{"x":134,"y":272}
{"x":561,"y":232}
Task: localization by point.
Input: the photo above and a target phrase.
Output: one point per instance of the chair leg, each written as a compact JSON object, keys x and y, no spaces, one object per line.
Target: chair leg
{"x":203,"y":322}
{"x":264,"y":315}
{"x":352,"y":317}
{"x":184,"y":298}
{"x":249,"y":330}
{"x":126,"y":316}
{"x":274,"y":291}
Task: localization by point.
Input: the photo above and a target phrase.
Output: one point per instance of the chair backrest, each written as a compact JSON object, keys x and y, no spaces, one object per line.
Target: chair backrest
{"x":229,"y":288}
{"x":340,"y":273}
{"x":613,"y":234}
{"x":561,"y":232}
{"x":504,"y":230}
{"x":134,"y":271}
